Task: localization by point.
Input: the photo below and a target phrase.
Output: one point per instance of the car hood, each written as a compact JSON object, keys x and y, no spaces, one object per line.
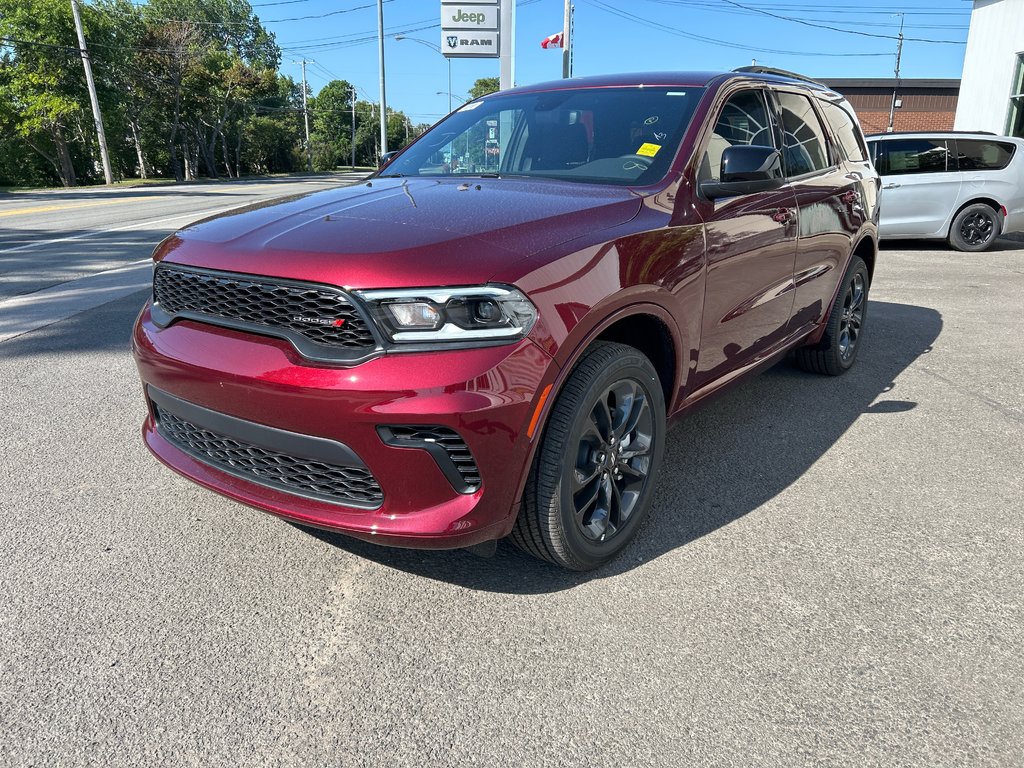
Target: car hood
{"x":393,"y":232}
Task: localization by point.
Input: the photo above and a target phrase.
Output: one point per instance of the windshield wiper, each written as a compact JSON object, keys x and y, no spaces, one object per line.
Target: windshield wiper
{"x":391,"y":176}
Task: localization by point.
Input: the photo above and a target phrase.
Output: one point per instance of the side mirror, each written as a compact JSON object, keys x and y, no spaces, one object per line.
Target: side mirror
{"x":746,"y":170}
{"x":385,"y":159}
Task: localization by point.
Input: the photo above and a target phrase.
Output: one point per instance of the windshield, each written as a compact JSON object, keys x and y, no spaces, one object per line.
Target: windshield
{"x":623,"y":136}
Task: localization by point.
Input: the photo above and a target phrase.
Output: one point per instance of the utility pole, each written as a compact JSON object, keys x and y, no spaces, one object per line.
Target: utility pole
{"x":353,"y":128}
{"x":896,"y":87}
{"x":305,"y":117}
{"x":383,"y":98}
{"x":567,"y":41}
{"x":108,"y":174}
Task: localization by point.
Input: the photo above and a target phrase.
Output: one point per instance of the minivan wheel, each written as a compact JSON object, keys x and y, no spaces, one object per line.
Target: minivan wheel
{"x":593,"y":475}
{"x":844,"y":331}
{"x":975,"y":228}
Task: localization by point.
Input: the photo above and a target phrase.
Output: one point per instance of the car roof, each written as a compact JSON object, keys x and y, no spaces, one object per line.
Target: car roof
{"x":678,"y":79}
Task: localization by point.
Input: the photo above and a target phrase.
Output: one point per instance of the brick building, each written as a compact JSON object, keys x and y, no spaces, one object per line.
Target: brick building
{"x":924,"y":105}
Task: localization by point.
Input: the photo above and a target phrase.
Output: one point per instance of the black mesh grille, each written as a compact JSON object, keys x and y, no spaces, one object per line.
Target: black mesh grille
{"x":306,"y":477}
{"x":453,"y":445}
{"x":320,"y":314}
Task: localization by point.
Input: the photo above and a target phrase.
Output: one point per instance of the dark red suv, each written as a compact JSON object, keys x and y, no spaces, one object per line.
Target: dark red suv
{"x":489,"y":337}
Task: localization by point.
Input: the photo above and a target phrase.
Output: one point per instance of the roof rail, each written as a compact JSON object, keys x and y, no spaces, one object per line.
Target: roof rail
{"x":940,"y":133}
{"x":759,"y":70}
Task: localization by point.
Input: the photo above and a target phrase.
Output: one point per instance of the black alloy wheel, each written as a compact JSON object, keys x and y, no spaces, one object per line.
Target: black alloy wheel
{"x":852,"y":318}
{"x":975,"y":228}
{"x":844,"y":329}
{"x":594,"y":472}
{"x":613,"y":460}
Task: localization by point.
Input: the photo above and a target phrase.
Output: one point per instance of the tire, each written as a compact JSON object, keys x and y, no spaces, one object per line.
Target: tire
{"x":837,"y":351}
{"x":586,"y":496}
{"x":975,"y":228}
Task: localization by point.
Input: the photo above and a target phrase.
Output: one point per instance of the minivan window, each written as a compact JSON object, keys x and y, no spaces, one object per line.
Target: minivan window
{"x":804,"y":149}
{"x":902,"y":156}
{"x":845,"y":129}
{"x":982,"y":155}
{"x":622,"y":136}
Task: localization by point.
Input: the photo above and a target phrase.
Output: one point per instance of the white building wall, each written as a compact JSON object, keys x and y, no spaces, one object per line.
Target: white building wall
{"x":995,"y":38}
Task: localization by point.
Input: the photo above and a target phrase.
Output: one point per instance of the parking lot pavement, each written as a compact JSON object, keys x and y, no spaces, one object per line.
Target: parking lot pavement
{"x":831,"y":575}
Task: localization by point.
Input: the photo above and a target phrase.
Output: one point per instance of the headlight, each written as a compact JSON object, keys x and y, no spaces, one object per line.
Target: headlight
{"x":484,"y":313}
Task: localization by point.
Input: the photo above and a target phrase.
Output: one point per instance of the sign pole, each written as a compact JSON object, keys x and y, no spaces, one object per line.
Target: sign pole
{"x":506,"y":42}
{"x":567,"y":41}
{"x":383,"y":98}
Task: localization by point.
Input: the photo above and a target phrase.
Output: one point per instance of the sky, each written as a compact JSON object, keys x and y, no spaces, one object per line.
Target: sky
{"x":833,"y":38}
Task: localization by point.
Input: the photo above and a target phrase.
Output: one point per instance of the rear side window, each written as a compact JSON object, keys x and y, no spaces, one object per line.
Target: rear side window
{"x":803,"y":147}
{"x":903,"y":156}
{"x":982,"y":155}
{"x":846,"y":131}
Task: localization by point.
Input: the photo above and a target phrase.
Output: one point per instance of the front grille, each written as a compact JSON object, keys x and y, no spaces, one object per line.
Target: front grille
{"x":289,"y":307}
{"x":454,"y":446}
{"x":353,"y":486}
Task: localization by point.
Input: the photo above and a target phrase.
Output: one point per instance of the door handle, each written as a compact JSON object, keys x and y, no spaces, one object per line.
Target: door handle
{"x":892,"y":186}
{"x":782,"y":215}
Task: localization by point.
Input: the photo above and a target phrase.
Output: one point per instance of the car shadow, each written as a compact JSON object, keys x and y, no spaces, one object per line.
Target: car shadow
{"x":721,"y":463}
{"x":1009,"y":242}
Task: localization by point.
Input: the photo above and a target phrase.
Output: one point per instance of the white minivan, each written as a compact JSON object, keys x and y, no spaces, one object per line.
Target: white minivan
{"x":967,"y":188}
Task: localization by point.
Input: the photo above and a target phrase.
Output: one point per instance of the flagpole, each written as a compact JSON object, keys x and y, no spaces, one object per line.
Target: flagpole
{"x":567,"y":41}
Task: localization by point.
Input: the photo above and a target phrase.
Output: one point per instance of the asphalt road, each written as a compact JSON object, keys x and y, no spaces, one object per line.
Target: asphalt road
{"x":832,"y":573}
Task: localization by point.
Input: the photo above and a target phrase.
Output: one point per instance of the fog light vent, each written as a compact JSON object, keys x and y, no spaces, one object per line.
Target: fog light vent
{"x":446,"y":446}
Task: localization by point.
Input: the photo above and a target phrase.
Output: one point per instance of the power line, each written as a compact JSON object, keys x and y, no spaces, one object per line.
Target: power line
{"x":839,"y":29}
{"x":723,"y":43}
{"x":240,"y":23}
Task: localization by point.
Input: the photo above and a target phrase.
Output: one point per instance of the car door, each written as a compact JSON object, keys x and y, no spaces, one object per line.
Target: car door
{"x":830,"y":202}
{"x":750,"y":245}
{"x":920,"y":186}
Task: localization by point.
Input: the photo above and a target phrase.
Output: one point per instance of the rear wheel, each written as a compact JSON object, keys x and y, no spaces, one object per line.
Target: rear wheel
{"x":837,"y":350}
{"x":593,"y":476}
{"x":975,"y":228}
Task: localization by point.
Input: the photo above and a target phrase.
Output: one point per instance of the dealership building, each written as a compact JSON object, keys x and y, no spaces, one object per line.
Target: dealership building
{"x":992,"y":87}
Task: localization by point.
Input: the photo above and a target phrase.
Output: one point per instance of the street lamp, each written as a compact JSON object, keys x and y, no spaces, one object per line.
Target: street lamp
{"x":441,"y":93}
{"x":437,"y":48}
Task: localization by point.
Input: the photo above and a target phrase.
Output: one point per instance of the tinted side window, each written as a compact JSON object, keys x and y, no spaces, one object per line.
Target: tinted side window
{"x":902,"y":156}
{"x":982,"y":155}
{"x":804,"y":149}
{"x":743,"y":120}
{"x":845,"y":128}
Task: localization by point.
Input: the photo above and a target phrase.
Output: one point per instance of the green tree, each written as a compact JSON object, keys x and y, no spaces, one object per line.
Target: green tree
{"x":41,"y":88}
{"x":331,"y":125}
{"x":483,"y":86}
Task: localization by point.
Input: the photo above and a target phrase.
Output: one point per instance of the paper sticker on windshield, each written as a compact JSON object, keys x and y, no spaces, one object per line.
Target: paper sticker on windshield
{"x":649,"y":150}
{"x":471,"y":105}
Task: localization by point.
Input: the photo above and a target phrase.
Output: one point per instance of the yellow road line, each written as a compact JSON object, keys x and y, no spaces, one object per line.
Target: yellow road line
{"x":70,"y":206}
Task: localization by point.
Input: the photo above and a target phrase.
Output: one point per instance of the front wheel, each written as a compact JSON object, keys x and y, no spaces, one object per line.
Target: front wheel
{"x":844,"y":330}
{"x":593,"y":475}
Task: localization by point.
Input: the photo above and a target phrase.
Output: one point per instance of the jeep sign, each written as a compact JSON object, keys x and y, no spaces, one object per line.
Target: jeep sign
{"x":475,"y":17}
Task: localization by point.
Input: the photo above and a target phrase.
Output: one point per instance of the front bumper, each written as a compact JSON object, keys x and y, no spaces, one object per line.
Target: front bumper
{"x":487,"y":396}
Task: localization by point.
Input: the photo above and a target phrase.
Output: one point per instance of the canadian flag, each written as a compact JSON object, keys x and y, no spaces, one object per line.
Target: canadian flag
{"x":552,"y":41}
